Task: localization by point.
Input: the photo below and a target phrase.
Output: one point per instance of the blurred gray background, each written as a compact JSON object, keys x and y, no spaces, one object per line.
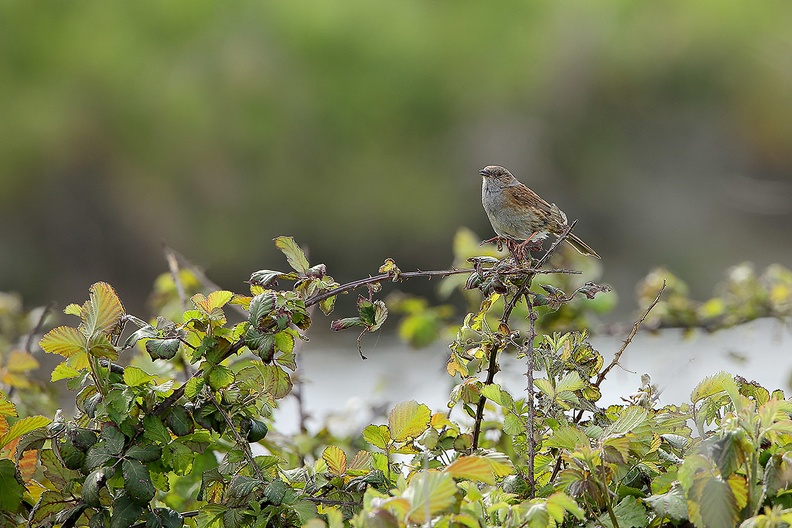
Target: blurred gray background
{"x":359,"y":127}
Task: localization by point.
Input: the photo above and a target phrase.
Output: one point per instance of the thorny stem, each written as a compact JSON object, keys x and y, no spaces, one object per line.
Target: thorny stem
{"x":395,"y":277}
{"x":244,"y":445}
{"x":615,"y":361}
{"x":530,"y":394}
{"x":493,"y":362}
{"x":492,"y":368}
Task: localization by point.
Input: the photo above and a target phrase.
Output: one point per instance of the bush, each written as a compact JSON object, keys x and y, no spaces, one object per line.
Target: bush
{"x":165,"y":440}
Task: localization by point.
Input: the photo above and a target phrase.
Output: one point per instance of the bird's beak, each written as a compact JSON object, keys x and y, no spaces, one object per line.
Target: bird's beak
{"x":484,"y":172}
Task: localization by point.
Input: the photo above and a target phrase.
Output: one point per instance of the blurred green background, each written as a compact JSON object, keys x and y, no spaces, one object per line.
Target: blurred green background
{"x":359,"y":127}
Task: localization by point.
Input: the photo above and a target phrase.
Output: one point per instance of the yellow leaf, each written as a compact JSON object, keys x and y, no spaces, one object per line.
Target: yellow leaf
{"x":474,"y":468}
{"x":64,"y":371}
{"x":22,"y":427}
{"x":336,"y":460}
{"x":739,"y":489}
{"x":64,"y":340}
{"x":102,"y":313}
{"x":6,"y":407}
{"x":407,"y":420}
{"x":218,"y":299}
{"x":430,"y":493}
{"x":21,"y":361}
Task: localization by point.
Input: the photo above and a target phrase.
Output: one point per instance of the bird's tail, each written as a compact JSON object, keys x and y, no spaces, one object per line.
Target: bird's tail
{"x":581,"y":246}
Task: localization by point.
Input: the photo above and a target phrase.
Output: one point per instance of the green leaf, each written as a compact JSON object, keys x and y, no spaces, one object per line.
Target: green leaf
{"x":670,"y":504}
{"x":284,"y":341}
{"x":407,"y":420}
{"x":154,"y":430}
{"x":630,"y":418}
{"x":144,"y":453}
{"x":373,"y":315}
{"x":241,"y":486}
{"x":164,"y":518}
{"x":11,"y":498}
{"x":22,"y":427}
{"x":294,"y":255}
{"x":162,"y":348}
{"x":91,"y":487}
{"x":571,"y":381}
{"x":265,"y":278}
{"x":559,"y":502}
{"x":50,"y":503}
{"x":718,"y":506}
{"x":475,"y":468}
{"x":377,"y":435}
{"x":260,"y":306}
{"x":178,"y":456}
{"x":113,"y":439}
{"x":629,"y":512}
{"x":277,"y":382}
{"x":275,"y":492}
{"x":327,"y":305}
{"x":125,"y":512}
{"x":100,"y":346}
{"x":97,"y":455}
{"x":102,"y":313}
{"x":546,"y":387}
{"x":710,"y":386}
{"x":219,"y":377}
{"x":193,"y":387}
{"x":347,"y":322}
{"x":179,"y":421}
{"x":6,"y":407}
{"x":257,"y":431}
{"x":134,"y":376}
{"x":512,"y":425}
{"x":137,"y":481}
{"x":567,"y":438}
{"x":65,"y":341}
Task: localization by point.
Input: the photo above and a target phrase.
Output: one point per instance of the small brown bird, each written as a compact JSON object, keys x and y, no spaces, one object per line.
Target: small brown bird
{"x":518,"y":213}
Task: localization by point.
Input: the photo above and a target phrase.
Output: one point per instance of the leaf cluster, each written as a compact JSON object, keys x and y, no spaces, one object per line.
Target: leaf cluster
{"x":152,"y":446}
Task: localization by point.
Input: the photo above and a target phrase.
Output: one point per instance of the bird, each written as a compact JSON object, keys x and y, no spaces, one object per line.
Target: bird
{"x":518,"y":213}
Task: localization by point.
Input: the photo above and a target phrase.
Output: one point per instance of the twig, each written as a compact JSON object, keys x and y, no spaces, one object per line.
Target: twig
{"x":493,"y":365}
{"x":533,"y":271}
{"x":244,"y":445}
{"x":616,"y":358}
{"x":530,"y":393}
{"x":492,"y":369}
{"x":630,"y":337}
{"x":201,"y":276}
{"x":173,"y":266}
{"x":415,"y":274}
{"x":29,"y":341}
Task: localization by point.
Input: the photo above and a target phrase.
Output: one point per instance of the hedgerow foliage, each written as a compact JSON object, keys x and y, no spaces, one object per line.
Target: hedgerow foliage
{"x":165,"y":440}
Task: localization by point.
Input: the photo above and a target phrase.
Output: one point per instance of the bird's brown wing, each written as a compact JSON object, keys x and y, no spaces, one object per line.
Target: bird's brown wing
{"x":528,"y":198}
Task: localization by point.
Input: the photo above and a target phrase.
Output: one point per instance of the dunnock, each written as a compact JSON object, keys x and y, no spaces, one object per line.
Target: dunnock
{"x":518,"y":213}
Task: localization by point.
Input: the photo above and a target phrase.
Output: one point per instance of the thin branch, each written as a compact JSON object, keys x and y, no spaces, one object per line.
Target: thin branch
{"x":173,"y":267}
{"x":492,"y":369}
{"x":207,"y":283}
{"x":39,"y":325}
{"x":616,"y":358}
{"x":534,"y":271}
{"x":630,"y":337}
{"x":395,"y":277}
{"x":530,"y":394}
{"x":244,"y":445}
